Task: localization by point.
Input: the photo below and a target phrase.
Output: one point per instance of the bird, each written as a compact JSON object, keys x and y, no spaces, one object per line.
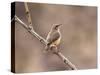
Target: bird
{"x":53,"y":37}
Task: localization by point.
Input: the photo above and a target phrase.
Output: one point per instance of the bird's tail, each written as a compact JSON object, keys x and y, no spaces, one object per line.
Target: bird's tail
{"x":47,"y":48}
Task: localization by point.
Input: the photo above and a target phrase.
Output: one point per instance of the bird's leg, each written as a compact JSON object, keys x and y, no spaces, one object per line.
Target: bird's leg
{"x":54,"y":49}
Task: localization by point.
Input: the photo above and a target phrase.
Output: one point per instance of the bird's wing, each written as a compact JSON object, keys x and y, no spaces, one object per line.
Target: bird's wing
{"x":53,"y":37}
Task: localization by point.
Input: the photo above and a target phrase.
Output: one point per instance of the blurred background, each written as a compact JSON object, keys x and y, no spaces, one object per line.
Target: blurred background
{"x":78,"y":43}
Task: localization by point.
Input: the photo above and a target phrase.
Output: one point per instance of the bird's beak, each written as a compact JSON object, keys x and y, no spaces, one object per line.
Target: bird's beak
{"x":59,"y":25}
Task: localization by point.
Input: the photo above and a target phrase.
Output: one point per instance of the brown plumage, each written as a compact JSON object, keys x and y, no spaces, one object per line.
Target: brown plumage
{"x":53,"y":37}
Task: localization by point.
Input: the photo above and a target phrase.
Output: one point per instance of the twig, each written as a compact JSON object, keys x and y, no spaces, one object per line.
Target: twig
{"x":30,"y":30}
{"x":28,"y":14}
{"x":42,"y":40}
{"x":66,"y":61}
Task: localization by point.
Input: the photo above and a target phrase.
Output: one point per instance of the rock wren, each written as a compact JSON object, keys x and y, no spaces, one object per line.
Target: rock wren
{"x":53,"y":37}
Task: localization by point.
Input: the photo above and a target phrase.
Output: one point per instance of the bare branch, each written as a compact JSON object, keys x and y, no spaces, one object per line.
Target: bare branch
{"x":28,"y":14}
{"x":66,"y":61}
{"x":42,"y":40}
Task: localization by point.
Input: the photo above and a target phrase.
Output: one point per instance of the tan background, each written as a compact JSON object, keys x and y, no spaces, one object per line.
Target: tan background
{"x":78,"y":44}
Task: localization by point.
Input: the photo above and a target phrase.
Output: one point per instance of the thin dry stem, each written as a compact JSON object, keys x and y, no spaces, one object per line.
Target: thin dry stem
{"x":66,"y":61}
{"x":28,"y":15}
{"x":30,"y":30}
